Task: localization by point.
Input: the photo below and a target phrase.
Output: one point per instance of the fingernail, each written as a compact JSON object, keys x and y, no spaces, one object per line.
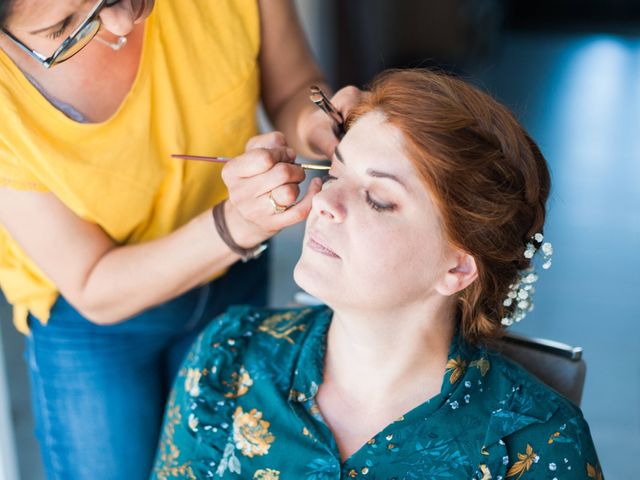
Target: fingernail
{"x":291,"y":152}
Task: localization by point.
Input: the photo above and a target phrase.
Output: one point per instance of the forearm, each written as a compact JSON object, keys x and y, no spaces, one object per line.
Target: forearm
{"x":288,"y":69}
{"x":108,"y":282}
{"x":129,"y":279}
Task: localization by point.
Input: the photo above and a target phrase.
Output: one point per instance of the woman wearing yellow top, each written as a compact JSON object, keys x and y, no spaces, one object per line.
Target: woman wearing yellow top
{"x":107,"y":245}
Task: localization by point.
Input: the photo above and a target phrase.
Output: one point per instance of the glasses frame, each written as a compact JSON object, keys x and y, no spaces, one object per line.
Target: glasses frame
{"x":48,"y":62}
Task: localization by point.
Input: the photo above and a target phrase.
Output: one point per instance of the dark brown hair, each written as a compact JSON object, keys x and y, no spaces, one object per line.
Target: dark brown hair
{"x":486,"y":175}
{"x":5,"y":10}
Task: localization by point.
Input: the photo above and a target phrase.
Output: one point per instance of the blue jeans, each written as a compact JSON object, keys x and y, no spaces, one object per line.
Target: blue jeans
{"x":98,"y":392}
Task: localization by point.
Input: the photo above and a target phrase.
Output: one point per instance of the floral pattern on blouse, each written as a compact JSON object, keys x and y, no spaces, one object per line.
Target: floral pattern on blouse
{"x":243,"y":407}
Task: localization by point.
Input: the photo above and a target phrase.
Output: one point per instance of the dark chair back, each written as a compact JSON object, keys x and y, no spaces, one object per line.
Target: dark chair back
{"x":558,"y":365}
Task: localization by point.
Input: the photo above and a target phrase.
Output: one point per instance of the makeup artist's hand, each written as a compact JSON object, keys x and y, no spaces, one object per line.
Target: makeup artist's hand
{"x":266,"y":168}
{"x":318,"y":129}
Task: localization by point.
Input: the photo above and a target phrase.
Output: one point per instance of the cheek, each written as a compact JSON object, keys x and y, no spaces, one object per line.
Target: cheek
{"x":377,"y":250}
{"x":395,"y":257}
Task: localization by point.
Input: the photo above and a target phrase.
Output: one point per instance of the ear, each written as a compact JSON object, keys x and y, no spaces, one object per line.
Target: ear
{"x":462,"y":271}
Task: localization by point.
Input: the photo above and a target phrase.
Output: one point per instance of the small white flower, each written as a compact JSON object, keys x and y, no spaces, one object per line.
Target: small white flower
{"x":547,"y":248}
{"x":552,"y":467}
{"x":523,"y":295}
{"x":507,"y":302}
{"x":192,"y":382}
{"x":547,"y":265}
{"x":538,"y":237}
{"x":193,"y":422}
{"x":454,"y":405}
{"x":505,"y":460}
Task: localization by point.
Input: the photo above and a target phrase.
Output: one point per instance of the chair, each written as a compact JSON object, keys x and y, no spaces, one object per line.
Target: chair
{"x":558,"y":365}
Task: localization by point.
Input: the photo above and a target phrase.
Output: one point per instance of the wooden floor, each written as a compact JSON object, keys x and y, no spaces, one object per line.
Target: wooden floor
{"x":579,"y":96}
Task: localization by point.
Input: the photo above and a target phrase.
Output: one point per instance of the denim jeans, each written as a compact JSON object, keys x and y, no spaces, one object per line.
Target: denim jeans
{"x":98,"y":392}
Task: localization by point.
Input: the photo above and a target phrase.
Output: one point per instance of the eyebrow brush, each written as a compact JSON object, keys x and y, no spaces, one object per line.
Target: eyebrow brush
{"x":306,"y":166}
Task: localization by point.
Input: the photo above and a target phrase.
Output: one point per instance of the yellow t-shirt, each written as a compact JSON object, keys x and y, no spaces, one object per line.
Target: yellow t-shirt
{"x":196,"y":91}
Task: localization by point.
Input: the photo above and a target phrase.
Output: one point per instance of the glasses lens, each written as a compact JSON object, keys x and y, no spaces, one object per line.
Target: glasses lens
{"x":78,"y":42}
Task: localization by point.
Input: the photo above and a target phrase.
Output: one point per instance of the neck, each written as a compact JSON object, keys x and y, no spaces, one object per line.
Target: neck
{"x":81,"y":81}
{"x":402,"y":353}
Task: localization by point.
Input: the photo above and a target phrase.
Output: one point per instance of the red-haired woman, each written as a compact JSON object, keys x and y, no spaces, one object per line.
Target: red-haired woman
{"x":420,"y":244}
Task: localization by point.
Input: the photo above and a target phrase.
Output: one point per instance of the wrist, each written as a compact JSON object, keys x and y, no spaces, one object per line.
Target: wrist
{"x":227,"y":222}
{"x":245,"y":233}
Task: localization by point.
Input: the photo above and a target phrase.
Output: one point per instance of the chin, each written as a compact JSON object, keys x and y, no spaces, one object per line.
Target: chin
{"x":312,"y":281}
{"x":301,"y":275}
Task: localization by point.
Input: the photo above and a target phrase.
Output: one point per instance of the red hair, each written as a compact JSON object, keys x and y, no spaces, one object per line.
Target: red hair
{"x":486,"y":175}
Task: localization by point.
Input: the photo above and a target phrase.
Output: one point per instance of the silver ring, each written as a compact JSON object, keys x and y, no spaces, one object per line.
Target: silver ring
{"x":277,"y":208}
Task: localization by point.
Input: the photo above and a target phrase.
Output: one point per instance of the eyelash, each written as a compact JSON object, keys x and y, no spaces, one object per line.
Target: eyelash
{"x":327,"y":178}
{"x":58,"y":33}
{"x":378,"y":207}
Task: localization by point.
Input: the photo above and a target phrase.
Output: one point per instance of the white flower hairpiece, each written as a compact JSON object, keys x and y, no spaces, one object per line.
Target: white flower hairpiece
{"x":521,"y":292}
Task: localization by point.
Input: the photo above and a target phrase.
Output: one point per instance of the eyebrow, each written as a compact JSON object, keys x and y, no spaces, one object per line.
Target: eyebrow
{"x":371,"y":172}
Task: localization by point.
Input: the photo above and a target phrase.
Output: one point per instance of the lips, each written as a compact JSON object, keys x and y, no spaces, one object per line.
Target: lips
{"x":318,"y":245}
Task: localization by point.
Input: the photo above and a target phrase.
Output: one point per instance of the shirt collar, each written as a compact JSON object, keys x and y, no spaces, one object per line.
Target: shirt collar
{"x":468,"y":369}
{"x":309,"y":366}
{"x":467,"y":366}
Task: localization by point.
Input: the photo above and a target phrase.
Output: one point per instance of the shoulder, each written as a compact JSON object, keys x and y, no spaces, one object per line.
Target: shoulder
{"x":522,"y":392}
{"x":243,"y":333}
{"x":222,"y":21}
{"x":244,"y":321}
{"x":546,"y":430}
{"x":243,"y":345}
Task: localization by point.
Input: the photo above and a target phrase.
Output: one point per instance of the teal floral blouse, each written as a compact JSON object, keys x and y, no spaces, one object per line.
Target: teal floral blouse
{"x":243,"y":406}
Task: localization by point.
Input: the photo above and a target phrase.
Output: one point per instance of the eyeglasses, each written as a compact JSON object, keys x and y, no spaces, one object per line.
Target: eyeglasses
{"x":75,"y":42}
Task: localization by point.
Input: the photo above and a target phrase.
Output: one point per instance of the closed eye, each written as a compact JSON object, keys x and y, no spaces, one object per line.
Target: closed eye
{"x":58,"y":33}
{"x":379,"y":206}
{"x":328,"y":178}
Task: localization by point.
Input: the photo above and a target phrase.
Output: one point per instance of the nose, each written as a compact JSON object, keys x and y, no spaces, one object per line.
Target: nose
{"x":329,"y":203}
{"x":120,"y":18}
